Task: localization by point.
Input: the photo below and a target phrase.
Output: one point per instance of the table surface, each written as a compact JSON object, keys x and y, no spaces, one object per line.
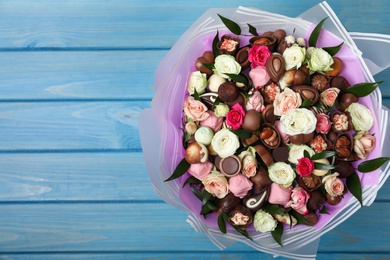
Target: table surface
{"x":73,"y":183}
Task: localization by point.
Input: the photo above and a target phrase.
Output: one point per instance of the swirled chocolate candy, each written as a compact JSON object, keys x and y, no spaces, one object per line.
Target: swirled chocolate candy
{"x":256,"y":201}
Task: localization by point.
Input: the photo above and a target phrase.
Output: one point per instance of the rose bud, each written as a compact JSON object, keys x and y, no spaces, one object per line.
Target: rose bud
{"x":196,"y":153}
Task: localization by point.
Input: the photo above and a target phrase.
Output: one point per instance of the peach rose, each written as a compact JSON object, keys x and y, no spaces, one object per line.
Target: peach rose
{"x":363,"y":144}
{"x":195,"y":109}
{"x":286,"y":101}
{"x":333,"y":185}
{"x":256,"y":102}
{"x":329,"y":96}
{"x":216,"y":184}
{"x":249,"y":163}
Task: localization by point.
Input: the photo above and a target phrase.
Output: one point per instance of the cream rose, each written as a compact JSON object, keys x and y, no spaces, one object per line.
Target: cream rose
{"x":195,"y":109}
{"x":318,"y":60}
{"x":225,"y":143}
{"x":296,"y":152}
{"x":363,"y":144}
{"x":294,"y":56}
{"x":362,"y":118}
{"x":333,"y":185}
{"x":216,"y":184}
{"x":215,"y":81}
{"x":281,"y":173}
{"x":286,"y":101}
{"x":197,"y":81}
{"x":221,"y":110}
{"x":225,"y":63}
{"x":329,"y":96}
{"x":249,"y":163}
{"x":264,"y":222}
{"x":298,"y":121}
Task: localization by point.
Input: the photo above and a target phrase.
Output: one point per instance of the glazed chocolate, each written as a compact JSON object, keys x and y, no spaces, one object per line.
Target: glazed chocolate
{"x":268,"y":114}
{"x":242,"y":57}
{"x":301,"y":138}
{"x":269,"y":136}
{"x":319,"y":81}
{"x":333,"y":200}
{"x":311,"y":218}
{"x":343,"y":146}
{"x":346,"y":99}
{"x":208,"y":59}
{"x":228,"y":203}
{"x":261,"y":180}
{"x":316,"y":200}
{"x":264,"y":154}
{"x":344,"y":168}
{"x":251,"y":120}
{"x":268,"y":41}
{"x":339,"y":82}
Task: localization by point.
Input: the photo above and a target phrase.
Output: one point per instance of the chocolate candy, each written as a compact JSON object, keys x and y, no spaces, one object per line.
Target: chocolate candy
{"x":228,"y":91}
{"x":280,"y":154}
{"x":228,"y":203}
{"x":264,"y":154}
{"x":319,"y":81}
{"x":228,"y":44}
{"x":337,"y":67}
{"x":339,"y":82}
{"x":311,"y":218}
{"x":310,"y":182}
{"x":269,"y":136}
{"x":333,"y":200}
{"x":240,"y":217}
{"x":268,"y":41}
{"x":230,"y":166}
{"x":208,"y":59}
{"x":261,"y":180}
{"x":316,"y":200}
{"x":343,"y":146}
{"x":307,"y":92}
{"x":256,"y":201}
{"x":346,"y":99}
{"x":242,"y":57}
{"x":208,"y":99}
{"x":275,"y":67}
{"x":251,"y":120}
{"x":279,"y":35}
{"x":196,"y":153}
{"x":301,"y":138}
{"x":240,"y":100}
{"x":268,"y":114}
{"x":344,"y":168}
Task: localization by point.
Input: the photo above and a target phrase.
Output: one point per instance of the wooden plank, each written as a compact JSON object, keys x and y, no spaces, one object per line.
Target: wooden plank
{"x":98,"y":176}
{"x":121,"y":23}
{"x":69,"y":125}
{"x":109,"y":227}
{"x":75,"y":75}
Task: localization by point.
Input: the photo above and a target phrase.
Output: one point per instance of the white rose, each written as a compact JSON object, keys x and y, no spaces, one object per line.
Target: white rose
{"x":221,"y":110}
{"x":196,"y":81}
{"x":281,"y":173}
{"x":362,"y":118}
{"x":215,"y":81}
{"x":225,"y":143}
{"x":225,"y":63}
{"x":296,"y":152}
{"x":298,"y":121}
{"x":319,"y":60}
{"x":294,"y":56}
{"x":264,"y":222}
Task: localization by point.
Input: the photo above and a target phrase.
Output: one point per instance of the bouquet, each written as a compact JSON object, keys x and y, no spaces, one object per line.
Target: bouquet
{"x":274,"y":126}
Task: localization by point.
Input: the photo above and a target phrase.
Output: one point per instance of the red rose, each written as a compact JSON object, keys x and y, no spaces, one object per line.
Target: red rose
{"x":235,"y":116}
{"x":305,"y":166}
{"x":258,"y":55}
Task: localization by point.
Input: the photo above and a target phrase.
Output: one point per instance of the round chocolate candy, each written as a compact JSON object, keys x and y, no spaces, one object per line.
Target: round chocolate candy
{"x":251,"y":120}
{"x":310,"y":182}
{"x":230,"y":166}
{"x":339,"y":82}
{"x":228,"y":91}
{"x":311,"y":218}
{"x":240,"y":100}
{"x":242,"y":57}
{"x":206,"y":58}
{"x":256,"y":201}
{"x":344,"y":168}
{"x":347,"y":99}
{"x":301,"y":138}
{"x":228,"y":203}
{"x":319,"y":81}
{"x":333,"y":200}
{"x":240,"y":217}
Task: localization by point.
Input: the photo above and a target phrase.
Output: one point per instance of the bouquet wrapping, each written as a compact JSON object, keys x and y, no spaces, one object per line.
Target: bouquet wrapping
{"x":162,"y":137}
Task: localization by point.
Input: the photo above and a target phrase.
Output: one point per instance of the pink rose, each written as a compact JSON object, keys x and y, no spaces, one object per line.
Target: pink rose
{"x":299,"y":198}
{"x":279,"y":194}
{"x":305,"y":166}
{"x":214,"y":122}
{"x":323,"y":123}
{"x":363,"y":144}
{"x":286,"y":101}
{"x":216,"y":184}
{"x":235,"y":116}
{"x":329,"y":96}
{"x":259,"y":76}
{"x":258,"y":55}
{"x":255,"y":102}
{"x":200,"y":170}
{"x":283,"y":135}
{"x":195,"y":109}
{"x":239,"y":185}
{"x":333,"y":185}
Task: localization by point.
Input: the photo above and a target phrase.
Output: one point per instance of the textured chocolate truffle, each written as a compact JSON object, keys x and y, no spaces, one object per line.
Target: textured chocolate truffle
{"x":344,"y":168}
{"x":319,"y":81}
{"x":228,"y":91}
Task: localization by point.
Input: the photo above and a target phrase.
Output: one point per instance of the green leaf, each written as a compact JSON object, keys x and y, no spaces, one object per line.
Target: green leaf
{"x":323,"y":155}
{"x":242,"y":232}
{"x":197,"y":193}
{"x":181,"y":168}
{"x":371,"y":165}
{"x":206,"y":196}
{"x":323,"y":166}
{"x":277,"y":233}
{"x":242,"y":133}
{"x":232,"y":26}
{"x":333,"y":50}
{"x":214,"y":46}
{"x":222,"y":223}
{"x":206,"y":209}
{"x":306,"y":103}
{"x":273,"y":209}
{"x":217,"y":101}
{"x":363,"y":89}
{"x":191,"y":180}
{"x":237,"y":78}
{"x":354,"y":186}
{"x":324,"y":210}
{"x":306,"y":154}
{"x":209,"y":66}
{"x":316,"y":33}
{"x":196,"y":95}
{"x":252,"y":30}
{"x":300,"y":218}
{"x":187,"y":136}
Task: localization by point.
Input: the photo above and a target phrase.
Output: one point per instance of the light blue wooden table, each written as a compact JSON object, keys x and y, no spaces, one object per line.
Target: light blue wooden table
{"x":74,"y":76}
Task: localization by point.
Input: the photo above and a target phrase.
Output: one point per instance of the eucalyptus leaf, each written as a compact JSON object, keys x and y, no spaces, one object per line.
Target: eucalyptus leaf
{"x":277,"y":233}
{"x":363,"y":89}
{"x":252,"y":30}
{"x":324,"y":210}
{"x":242,"y":133}
{"x":237,"y":78}
{"x":333,"y":50}
{"x":221,"y":223}
{"x":232,"y":26}
{"x":354,"y":186}
{"x":372,"y":165}
{"x":316,"y":33}
{"x":191,"y":180}
{"x":322,"y":166}
{"x":214,"y":46}
{"x":323,"y":155}
{"x":180,"y":170}
{"x":306,"y":103}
